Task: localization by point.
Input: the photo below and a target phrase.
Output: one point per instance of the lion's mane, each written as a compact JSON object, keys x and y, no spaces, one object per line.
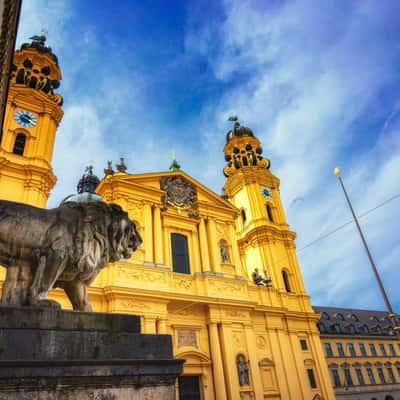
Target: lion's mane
{"x":99,"y":237}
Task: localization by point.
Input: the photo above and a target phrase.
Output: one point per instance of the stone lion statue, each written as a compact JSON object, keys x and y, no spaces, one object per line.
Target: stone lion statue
{"x":63,"y":247}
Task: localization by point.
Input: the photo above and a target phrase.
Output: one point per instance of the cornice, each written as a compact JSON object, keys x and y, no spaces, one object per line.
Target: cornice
{"x":266,"y":234}
{"x":248,"y":175}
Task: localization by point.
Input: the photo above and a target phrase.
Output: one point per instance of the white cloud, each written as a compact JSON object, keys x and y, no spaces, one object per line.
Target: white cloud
{"x":306,"y":79}
{"x":309,"y":84}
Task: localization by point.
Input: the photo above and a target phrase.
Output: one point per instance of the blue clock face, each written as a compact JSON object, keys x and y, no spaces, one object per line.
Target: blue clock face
{"x":266,"y":192}
{"x":25,"y":119}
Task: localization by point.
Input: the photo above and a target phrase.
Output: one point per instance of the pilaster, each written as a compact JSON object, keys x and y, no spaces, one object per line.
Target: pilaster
{"x":158,"y":240}
{"x":229,"y":359}
{"x":281,"y":374}
{"x":162,"y":326}
{"x":217,"y":367}
{"x":254,"y":367}
{"x":150,"y":325}
{"x":196,"y":263}
{"x":213,"y":245}
{"x":205,"y":259}
{"x":148,"y":233}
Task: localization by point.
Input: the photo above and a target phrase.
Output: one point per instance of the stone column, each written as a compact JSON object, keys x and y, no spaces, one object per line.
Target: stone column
{"x":229,"y":359}
{"x":158,"y":239}
{"x":213,"y":245}
{"x":195,"y":263}
{"x":149,"y":325}
{"x":253,"y":363}
{"x":217,"y":368}
{"x":162,"y":326}
{"x":205,"y":259}
{"x":148,"y":234}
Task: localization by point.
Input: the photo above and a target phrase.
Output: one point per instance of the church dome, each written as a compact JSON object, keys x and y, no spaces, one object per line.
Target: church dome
{"x":86,"y":188}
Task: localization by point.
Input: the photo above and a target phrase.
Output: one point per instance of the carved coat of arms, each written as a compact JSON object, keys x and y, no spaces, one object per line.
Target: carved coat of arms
{"x":178,"y":193}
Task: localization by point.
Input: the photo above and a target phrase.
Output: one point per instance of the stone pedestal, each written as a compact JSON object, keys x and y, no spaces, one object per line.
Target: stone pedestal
{"x":52,"y":354}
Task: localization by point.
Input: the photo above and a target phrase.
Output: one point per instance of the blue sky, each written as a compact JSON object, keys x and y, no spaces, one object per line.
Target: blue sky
{"x":318,"y":83}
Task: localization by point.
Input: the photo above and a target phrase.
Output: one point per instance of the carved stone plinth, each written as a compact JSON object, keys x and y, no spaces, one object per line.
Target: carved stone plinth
{"x":52,"y":354}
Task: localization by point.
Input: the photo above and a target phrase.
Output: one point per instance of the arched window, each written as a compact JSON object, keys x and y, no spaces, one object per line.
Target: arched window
{"x":19,"y":144}
{"x":180,"y":254}
{"x":243,"y":370}
{"x":354,"y":317}
{"x":339,"y":316}
{"x":325,"y":315}
{"x":244,"y":219}
{"x":321,"y":327}
{"x":286,"y":281}
{"x":269,"y":212}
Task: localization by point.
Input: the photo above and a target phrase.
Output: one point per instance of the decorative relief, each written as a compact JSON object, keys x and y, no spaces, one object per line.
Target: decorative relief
{"x":135,"y":211}
{"x":182,"y":283}
{"x":235,"y":314}
{"x":134,"y":304}
{"x":187,"y":312}
{"x":187,"y":337}
{"x":222,"y":230}
{"x":222,"y":288}
{"x":237,"y":338}
{"x":141,"y":275}
{"x":260,"y":342}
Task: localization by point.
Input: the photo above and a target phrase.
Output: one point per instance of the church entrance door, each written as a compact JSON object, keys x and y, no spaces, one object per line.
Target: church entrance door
{"x":189,"y":387}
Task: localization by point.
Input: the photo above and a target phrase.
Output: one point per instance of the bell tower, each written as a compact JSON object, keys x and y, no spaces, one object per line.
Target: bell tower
{"x":33,"y":113}
{"x":265,"y":241}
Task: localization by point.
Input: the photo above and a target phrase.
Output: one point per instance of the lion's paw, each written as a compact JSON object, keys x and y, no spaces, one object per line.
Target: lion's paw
{"x":46,"y":303}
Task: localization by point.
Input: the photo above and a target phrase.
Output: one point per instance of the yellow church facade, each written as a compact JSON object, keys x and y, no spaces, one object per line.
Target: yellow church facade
{"x":218,"y":273}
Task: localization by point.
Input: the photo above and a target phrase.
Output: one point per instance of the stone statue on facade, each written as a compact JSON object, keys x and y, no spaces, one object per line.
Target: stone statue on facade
{"x":261,"y":280}
{"x":243,"y":371}
{"x":63,"y":247}
{"x":224,"y":253}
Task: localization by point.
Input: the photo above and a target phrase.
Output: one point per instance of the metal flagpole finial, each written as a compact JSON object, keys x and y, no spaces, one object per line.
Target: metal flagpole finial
{"x":336,"y":171}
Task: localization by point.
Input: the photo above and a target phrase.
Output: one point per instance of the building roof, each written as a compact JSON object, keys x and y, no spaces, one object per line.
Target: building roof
{"x":348,"y":321}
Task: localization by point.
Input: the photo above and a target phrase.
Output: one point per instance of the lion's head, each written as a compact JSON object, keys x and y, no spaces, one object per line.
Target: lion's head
{"x":124,"y":238}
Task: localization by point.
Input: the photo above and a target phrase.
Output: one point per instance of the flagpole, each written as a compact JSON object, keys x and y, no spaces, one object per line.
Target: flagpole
{"x":392,"y":315}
